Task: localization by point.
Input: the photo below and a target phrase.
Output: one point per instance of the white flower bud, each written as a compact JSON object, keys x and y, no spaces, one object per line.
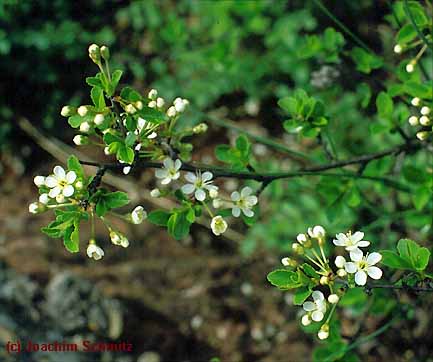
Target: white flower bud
{"x":323,"y":334}
{"x":84,"y":127}
{"x":67,"y":111}
{"x":44,"y":199}
{"x":107,"y":150}
{"x":424,"y":120}
{"x":152,"y":104}
{"x":93,"y":48}
{"x":94,"y":251}
{"x":285,"y":261}
{"x":324,"y":280}
{"x":138,"y":215}
{"x":126,"y":170}
{"x":82,"y":110}
{"x":413,"y":120}
{"x":213,"y":193}
{"x":36,"y":208}
{"x":171,"y":112}
{"x":415,"y":101}
{"x":99,"y":119}
{"x":105,"y":52}
{"x":217,"y":203}
{"x":138,"y":105}
{"x":410,"y":67}
{"x":153,"y":93}
{"x":333,"y":299}
{"x":60,"y":198}
{"x":179,"y":105}
{"x":301,"y":238}
{"x":305,"y":320}
{"x":425,"y":111}
{"x":218,"y":225}
{"x":398,"y":49}
{"x":78,"y":185}
{"x":155,"y":193}
{"x":341,"y":273}
{"x":422,"y":136}
{"x":95,"y":53}
{"x":200,"y":128}
{"x":160,"y":102}
{"x":130,"y":109}
{"x":80,"y":140}
{"x":39,"y":180}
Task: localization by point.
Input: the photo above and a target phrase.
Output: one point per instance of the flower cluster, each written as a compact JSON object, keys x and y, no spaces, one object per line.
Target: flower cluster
{"x":317,"y":275}
{"x":422,"y":119}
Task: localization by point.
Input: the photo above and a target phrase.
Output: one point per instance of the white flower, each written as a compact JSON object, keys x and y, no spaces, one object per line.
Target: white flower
{"x":118,"y":239}
{"x":413,"y":120}
{"x":352,"y":242}
{"x":138,"y":215}
{"x":94,"y":252}
{"x":302,"y":238}
{"x":34,"y":208}
{"x":160,"y":102}
{"x":415,"y":101}
{"x":199,"y":183}
{"x":82,"y":111}
{"x":425,"y":111}
{"x":180,"y":104}
{"x":84,"y":127}
{"x":44,"y":199}
{"x":99,"y":119}
{"x":153,"y":93}
{"x":323,"y":334}
{"x":170,"y":171}
{"x":317,"y":308}
{"x":362,"y":265}
{"x":80,"y":140}
{"x":340,"y":261}
{"x":218,"y":225}
{"x":61,"y":182}
{"x":333,"y":298}
{"x":171,"y":112}
{"x":155,"y":193}
{"x":424,"y":120}
{"x":39,"y":180}
{"x":244,"y":202}
{"x":398,"y":49}
{"x":317,"y":232}
{"x":410,"y":67}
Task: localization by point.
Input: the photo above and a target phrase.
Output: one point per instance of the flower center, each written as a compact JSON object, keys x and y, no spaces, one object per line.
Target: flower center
{"x":362,"y":264}
{"x":63,"y":183}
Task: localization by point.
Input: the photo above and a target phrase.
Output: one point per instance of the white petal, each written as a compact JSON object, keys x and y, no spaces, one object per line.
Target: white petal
{"x":200,"y":195}
{"x":177,"y":164}
{"x":188,"y":189}
{"x":206,"y":176}
{"x":248,"y":212}
{"x":362,"y":244}
{"x":341,"y":240}
{"x":160,"y":173}
{"x":246,"y":191}
{"x":68,"y":190}
{"x":175,"y":176}
{"x":235,"y":196}
{"x":360,"y":277}
{"x":54,"y":192}
{"x":309,"y":306}
{"x":357,"y":236}
{"x":126,"y":170}
{"x":317,"y":296}
{"x":59,"y":172}
{"x":317,"y":316}
{"x":340,"y":261}
{"x":51,"y":181}
{"x":374,"y":272}
{"x":190,"y":177}
{"x":356,"y":254}
{"x":166,"y":181}
{"x":252,"y":200}
{"x":236,"y":211}
{"x":168,"y":163}
{"x":350,"y":267}
{"x":71,"y":176}
{"x":373,"y":258}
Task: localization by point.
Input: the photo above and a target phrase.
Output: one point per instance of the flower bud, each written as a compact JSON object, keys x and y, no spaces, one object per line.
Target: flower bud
{"x":153,"y":93}
{"x":425,"y":121}
{"x":107,"y":150}
{"x":213,"y":193}
{"x":130,"y":109}
{"x":99,"y":119}
{"x":82,"y":110}
{"x":138,"y":105}
{"x":105,"y":53}
{"x":36,"y":208}
{"x":415,"y":101}
{"x":413,"y":120}
{"x":323,"y":332}
{"x":81,"y":140}
{"x":78,"y":185}
{"x":60,"y":198}
{"x":297,"y":248}
{"x":39,"y":180}
{"x":152,"y":104}
{"x":95,"y":53}
{"x":423,"y":135}
{"x":171,"y":112}
{"x":44,"y":199}
{"x":138,"y":215}
{"x":425,"y":111}
{"x":155,"y":193}
{"x":341,"y":273}
{"x":200,"y":128}
{"x":411,"y":66}
{"x":160,"y":102}
{"x":289,"y":262}
{"x":217,"y":203}
{"x":67,"y":111}
{"x":333,"y":299}
{"x":305,"y":320}
{"x":94,"y":251}
{"x":398,"y":49}
{"x":126,"y":170}
{"x":324,"y":280}
{"x":84,"y":127}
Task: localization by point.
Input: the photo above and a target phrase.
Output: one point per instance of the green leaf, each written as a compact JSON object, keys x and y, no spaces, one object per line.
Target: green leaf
{"x":284,"y":279}
{"x":125,"y":154}
{"x":152,"y":115}
{"x":159,"y":217}
{"x":406,"y":34}
{"x":393,"y":260}
{"x":365,"y":62}
{"x":244,"y":146}
{"x":71,"y":239}
{"x":290,"y":105}
{"x":94,"y":82}
{"x":130,"y":139}
{"x":416,"y":89}
{"x":416,"y":255}
{"x":421,"y":197}
{"x":75,"y":165}
{"x":415,"y":175}
{"x":301,"y":296}
{"x":116,"y":199}
{"x":97,"y":95}
{"x":75,"y":121}
{"x":309,"y":270}
{"x":115,"y":78}
{"x":129,"y":94}
{"x":178,"y":224}
{"x":384,"y":105}
{"x":364,"y":91}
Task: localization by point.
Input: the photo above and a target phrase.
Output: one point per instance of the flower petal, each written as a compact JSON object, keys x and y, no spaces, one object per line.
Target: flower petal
{"x":59,"y":172}
{"x":248,"y":212}
{"x":206,"y":176}
{"x":340,"y":261}
{"x":252,"y":200}
{"x":51,"y":181}
{"x":166,"y":181}
{"x":235,"y":196}
{"x":68,"y":190}
{"x":374,"y":272}
{"x":246,"y":191}
{"x":161,"y":173}
{"x":188,"y":189}
{"x":309,"y":306}
{"x":71,"y":176}
{"x":362,"y":244}
{"x":356,"y":255}
{"x":177,"y":163}
{"x":341,"y":239}
{"x":317,"y":316}
{"x":374,"y":258}
{"x":168,"y":163}
{"x":54,"y":192}
{"x":200,"y":195}
{"x":360,"y":277}
{"x":350,"y":267}
{"x":236,"y":211}
{"x":190,"y":177}
{"x":357,"y":236}
{"x":317,"y":295}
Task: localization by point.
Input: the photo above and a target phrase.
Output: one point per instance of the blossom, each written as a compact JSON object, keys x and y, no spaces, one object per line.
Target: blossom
{"x":61,"y":182}
{"x":317,"y":232}
{"x":398,"y":49}
{"x":138,"y":215}
{"x":413,"y":120}
{"x":180,"y":104}
{"x":39,"y":180}
{"x":352,"y":242}
{"x":94,"y":251}
{"x":316,"y":310}
{"x":415,"y":101}
{"x":85,"y":127}
{"x":160,"y":102}
{"x":244,"y":202}
{"x":67,"y":111}
{"x":35,"y":208}
{"x":153,"y":93}
{"x":155,"y":193}
{"x":198,"y":184}
{"x":118,"y":239}
{"x":218,"y":225}
{"x":80,"y":140}
{"x":424,"y":120}
{"x":170,"y":171}
{"x":362,"y":265}
{"x":82,"y":110}
{"x":171,"y":112}
{"x":323,"y":332}
{"x":44,"y":199}
{"x":99,"y":119}
{"x":333,"y":298}
{"x":425,"y":111}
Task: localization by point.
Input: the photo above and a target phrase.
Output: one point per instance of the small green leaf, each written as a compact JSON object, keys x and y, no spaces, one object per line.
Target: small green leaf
{"x":284,"y":279}
{"x":384,"y":105}
{"x":393,"y":260}
{"x":178,"y":225}
{"x":97,"y":95}
{"x":421,"y":197}
{"x":116,"y":199}
{"x":301,"y":296}
{"x":115,"y":78}
{"x":152,"y":115}
{"x":365,"y":62}
{"x":75,"y":165}
{"x":129,"y":94}
{"x":125,"y":154}
{"x":406,"y":34}
{"x":159,"y":217}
